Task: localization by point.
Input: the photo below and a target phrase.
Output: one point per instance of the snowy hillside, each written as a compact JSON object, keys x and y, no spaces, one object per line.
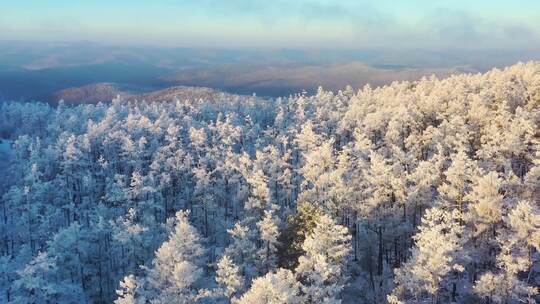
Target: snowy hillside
{"x":415,"y":192}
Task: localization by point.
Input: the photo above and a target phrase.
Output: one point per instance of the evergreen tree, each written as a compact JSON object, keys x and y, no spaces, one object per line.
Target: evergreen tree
{"x":269,"y":233}
{"x":228,"y":278}
{"x":273,"y":288}
{"x":321,"y":270}
{"x":426,"y":276}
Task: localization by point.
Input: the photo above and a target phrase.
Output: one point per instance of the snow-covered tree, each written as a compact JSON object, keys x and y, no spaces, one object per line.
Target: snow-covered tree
{"x":320,"y":271}
{"x":242,"y":250}
{"x":294,"y":234}
{"x":426,"y":277}
{"x":459,"y":178}
{"x":39,"y":283}
{"x":129,"y":291}
{"x":520,"y":247}
{"x":177,"y":265}
{"x":228,"y":278}
{"x":273,"y":288}
{"x":269,"y":233}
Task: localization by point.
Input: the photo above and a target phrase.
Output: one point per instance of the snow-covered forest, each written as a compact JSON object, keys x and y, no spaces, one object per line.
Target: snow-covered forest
{"x":415,"y":192}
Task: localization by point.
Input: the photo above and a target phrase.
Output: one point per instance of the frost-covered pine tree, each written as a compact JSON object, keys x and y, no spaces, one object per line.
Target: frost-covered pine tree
{"x":459,"y":178}
{"x":295,"y":232}
{"x":130,"y":233}
{"x":242,"y":250}
{"x":484,"y":219}
{"x":228,"y":278}
{"x":320,"y":271}
{"x":129,"y":292}
{"x":259,"y":198}
{"x":39,"y":283}
{"x":177,"y":266}
{"x":274,"y":288}
{"x":426,"y":277}
{"x":519,"y":254}
{"x":269,"y":233}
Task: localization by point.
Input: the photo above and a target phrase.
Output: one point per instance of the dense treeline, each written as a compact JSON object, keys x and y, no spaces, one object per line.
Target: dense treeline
{"x":416,"y":192}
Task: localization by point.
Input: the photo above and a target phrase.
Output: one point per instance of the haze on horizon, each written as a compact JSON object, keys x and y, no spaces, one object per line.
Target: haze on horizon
{"x":346,"y":24}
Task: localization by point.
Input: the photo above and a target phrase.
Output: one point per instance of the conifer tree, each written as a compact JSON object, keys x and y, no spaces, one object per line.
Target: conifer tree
{"x":320,"y":271}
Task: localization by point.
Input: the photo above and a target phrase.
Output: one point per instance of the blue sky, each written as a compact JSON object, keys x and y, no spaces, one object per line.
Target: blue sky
{"x":389,"y":24}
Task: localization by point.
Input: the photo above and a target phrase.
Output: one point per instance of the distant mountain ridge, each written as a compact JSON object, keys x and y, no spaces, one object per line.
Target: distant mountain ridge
{"x":106,"y":92}
{"x":92,"y":93}
{"x":209,"y":84}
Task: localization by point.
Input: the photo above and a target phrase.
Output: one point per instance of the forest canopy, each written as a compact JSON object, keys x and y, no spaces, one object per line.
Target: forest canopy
{"x":415,"y":192}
